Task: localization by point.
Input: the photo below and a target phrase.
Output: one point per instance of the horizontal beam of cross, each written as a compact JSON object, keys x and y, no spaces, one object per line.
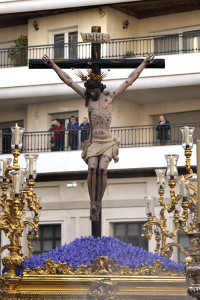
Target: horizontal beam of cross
{"x":103,"y":63}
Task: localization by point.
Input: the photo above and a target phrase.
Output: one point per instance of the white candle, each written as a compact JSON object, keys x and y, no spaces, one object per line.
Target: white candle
{"x":177,"y":207}
{"x":171,"y":165}
{"x":29,"y":226}
{"x":16,"y":134}
{"x":198,"y":177}
{"x":189,"y":220}
{"x":150,"y":205}
{"x":17,"y":183}
{"x":183,"y":187}
{"x":187,"y":138}
{"x":30,"y":165}
{"x":4,"y":166}
{"x":160,"y":178}
{"x":158,"y":221}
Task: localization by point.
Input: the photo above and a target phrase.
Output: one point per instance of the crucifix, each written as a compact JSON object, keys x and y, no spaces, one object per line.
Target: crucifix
{"x":101,"y":147}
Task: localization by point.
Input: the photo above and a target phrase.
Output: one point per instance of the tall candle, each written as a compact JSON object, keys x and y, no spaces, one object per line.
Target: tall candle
{"x":29,"y":226}
{"x":30,"y":165}
{"x":189,"y":220}
{"x":198,"y":177}
{"x":177,"y":206}
{"x":17,"y":183}
{"x":171,"y":165}
{"x":158,"y":221}
{"x":150,"y":205}
{"x":160,"y":178}
{"x":183,"y":187}
{"x":187,"y":138}
{"x":4,"y":166}
{"x":16,"y":134}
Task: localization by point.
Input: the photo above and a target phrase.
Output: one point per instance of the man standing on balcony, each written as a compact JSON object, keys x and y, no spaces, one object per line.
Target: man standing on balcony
{"x":72,"y":127}
{"x":101,"y":147}
{"x":59,"y":135}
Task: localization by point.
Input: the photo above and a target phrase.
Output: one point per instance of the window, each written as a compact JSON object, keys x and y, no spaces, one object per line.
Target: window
{"x":183,"y":240}
{"x":49,"y":238}
{"x":64,"y":117}
{"x":73,"y":38}
{"x":59,"y":41}
{"x":131,"y":233}
{"x":65,"y":44}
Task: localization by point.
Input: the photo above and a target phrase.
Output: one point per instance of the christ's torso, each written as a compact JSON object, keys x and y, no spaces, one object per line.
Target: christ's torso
{"x":100,"y":114}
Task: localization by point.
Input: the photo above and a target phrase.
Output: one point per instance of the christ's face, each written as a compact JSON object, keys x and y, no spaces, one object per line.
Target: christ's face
{"x":94,"y":93}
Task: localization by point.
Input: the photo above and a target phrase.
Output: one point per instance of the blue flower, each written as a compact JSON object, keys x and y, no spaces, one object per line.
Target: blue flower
{"x":83,"y":249}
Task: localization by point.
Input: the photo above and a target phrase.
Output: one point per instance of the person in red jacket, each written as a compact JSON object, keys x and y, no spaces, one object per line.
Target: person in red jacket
{"x":59,"y":135}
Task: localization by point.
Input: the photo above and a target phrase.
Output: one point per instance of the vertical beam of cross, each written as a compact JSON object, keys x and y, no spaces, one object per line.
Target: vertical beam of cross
{"x":96,"y":54}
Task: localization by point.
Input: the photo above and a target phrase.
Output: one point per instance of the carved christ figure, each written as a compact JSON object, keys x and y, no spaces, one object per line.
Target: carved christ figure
{"x":101,"y":146}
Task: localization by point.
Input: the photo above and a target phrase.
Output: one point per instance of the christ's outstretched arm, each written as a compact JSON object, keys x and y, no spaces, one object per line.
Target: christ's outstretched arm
{"x":64,"y":76}
{"x":132,"y":77}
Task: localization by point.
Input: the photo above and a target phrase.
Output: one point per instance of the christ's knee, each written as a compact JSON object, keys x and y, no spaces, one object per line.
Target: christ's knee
{"x":92,"y":169}
{"x":102,"y":171}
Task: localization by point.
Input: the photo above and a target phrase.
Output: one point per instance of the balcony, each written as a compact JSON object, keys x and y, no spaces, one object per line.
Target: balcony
{"x":130,"y":137}
{"x":186,"y":42}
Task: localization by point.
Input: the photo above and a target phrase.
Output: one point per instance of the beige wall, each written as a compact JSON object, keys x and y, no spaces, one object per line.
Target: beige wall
{"x":17,"y":114}
{"x":115,"y":24}
{"x":168,"y":107}
{"x":39,"y":114}
{"x":125,"y":113}
{"x":83,"y":20}
{"x":10,"y":34}
{"x":111,"y":22}
{"x":168,"y":22}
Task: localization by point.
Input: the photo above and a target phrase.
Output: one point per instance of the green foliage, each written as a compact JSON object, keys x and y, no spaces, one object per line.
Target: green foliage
{"x":130,"y":54}
{"x":19,"y":52}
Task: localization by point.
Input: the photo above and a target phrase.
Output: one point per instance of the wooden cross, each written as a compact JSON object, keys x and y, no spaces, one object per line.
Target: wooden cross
{"x":96,"y":64}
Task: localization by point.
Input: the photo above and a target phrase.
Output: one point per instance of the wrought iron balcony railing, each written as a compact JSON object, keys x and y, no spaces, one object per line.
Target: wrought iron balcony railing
{"x":186,"y":42}
{"x":130,"y":136}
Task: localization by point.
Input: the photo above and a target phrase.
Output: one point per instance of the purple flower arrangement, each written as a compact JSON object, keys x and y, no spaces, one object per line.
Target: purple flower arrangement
{"x":83,"y":249}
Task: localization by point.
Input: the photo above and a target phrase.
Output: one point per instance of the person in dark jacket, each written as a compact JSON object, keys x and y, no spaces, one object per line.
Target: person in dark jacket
{"x":85,"y":130}
{"x":162,"y":129}
{"x":72,"y":127}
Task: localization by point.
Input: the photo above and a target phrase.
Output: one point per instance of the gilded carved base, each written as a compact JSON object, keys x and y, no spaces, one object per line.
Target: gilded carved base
{"x":102,"y":280}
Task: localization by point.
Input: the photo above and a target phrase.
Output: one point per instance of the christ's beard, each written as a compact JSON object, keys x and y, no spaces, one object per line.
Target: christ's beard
{"x":94,"y":97}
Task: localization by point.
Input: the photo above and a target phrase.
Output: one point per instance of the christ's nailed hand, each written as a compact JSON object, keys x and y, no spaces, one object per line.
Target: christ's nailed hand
{"x":46,"y":60}
{"x":149,"y":59}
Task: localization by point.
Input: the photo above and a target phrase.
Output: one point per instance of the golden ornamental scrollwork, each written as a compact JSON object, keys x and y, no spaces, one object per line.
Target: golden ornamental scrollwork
{"x":103,"y":265}
{"x":16,"y":199}
{"x":183,"y":205}
{"x":104,"y":289}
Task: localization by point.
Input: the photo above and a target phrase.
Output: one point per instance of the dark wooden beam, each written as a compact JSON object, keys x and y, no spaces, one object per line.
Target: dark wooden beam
{"x":153,"y":8}
{"x":103,"y":63}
